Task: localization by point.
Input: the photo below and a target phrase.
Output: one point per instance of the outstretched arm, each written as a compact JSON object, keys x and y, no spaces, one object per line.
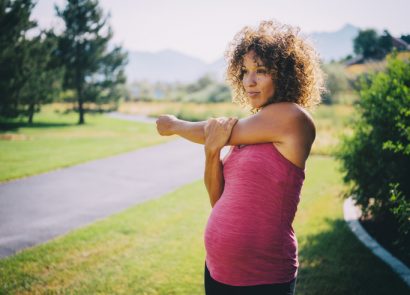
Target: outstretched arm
{"x":272,"y":124}
{"x":171,"y":125}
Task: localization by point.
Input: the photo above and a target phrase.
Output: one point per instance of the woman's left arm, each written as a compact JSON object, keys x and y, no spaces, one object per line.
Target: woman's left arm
{"x":213,"y":176}
{"x":217,"y":133}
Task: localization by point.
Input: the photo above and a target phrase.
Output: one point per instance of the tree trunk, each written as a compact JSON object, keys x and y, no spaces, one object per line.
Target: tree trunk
{"x":80,"y":106}
{"x":31,"y":113}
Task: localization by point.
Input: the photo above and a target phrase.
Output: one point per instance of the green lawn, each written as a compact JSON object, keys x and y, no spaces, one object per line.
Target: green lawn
{"x":157,"y":248}
{"x":56,"y":141}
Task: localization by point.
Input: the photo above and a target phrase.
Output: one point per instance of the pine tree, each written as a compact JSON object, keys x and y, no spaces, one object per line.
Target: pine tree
{"x":43,"y":76}
{"x":92,"y":71}
{"x":14,"y":24}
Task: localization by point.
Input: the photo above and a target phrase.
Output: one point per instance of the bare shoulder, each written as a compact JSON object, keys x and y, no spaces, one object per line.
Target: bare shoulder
{"x":277,"y":123}
{"x":294,"y":118}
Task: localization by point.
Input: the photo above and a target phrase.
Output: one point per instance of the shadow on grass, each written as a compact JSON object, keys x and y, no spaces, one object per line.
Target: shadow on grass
{"x":335,"y":262}
{"x":14,"y":126}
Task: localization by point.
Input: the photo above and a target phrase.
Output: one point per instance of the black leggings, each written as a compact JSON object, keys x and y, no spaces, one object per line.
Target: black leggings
{"x":213,"y":287}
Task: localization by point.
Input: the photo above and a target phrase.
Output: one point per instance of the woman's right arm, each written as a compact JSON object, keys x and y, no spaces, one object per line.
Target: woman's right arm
{"x":171,"y":125}
{"x":272,"y":124}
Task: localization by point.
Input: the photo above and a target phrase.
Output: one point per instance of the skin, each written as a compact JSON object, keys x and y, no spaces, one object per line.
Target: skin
{"x":217,"y":133}
{"x":256,"y":81}
{"x":286,"y":125}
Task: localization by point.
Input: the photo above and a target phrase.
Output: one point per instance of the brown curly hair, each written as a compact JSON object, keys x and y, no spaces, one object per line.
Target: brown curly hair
{"x":292,"y":61}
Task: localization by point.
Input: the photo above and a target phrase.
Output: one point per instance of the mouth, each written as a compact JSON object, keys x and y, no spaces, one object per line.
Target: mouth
{"x":253,"y":93}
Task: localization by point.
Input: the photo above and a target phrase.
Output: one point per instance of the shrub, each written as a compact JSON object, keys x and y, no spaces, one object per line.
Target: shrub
{"x":376,"y":158}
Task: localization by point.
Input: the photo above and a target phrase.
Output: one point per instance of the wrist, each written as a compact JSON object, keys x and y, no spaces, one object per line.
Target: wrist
{"x":212,"y":151}
{"x":176,"y":126}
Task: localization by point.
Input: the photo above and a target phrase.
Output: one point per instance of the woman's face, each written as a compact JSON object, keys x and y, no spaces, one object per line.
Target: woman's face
{"x":257,"y":81}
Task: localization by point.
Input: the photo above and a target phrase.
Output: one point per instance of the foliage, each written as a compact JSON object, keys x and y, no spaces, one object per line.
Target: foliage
{"x":405,"y":38}
{"x":372,"y":46}
{"x":42,"y":75}
{"x":377,"y":157}
{"x":90,"y":69}
{"x":401,"y":210}
{"x":14,"y":24}
{"x":28,"y":74}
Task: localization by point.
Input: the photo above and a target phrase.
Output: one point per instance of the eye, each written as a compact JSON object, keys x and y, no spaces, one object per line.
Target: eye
{"x":261,"y":71}
{"x":244,"y":71}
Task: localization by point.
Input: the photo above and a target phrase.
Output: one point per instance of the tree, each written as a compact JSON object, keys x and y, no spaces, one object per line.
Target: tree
{"x":42,"y":75}
{"x":405,"y":38}
{"x":90,"y":69}
{"x":385,"y":44}
{"x":14,"y":24}
{"x":372,"y":46}
{"x":28,"y":78}
{"x":365,"y":43}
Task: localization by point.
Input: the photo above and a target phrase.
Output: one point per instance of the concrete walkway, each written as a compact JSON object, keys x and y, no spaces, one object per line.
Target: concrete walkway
{"x":351,"y":216}
{"x":36,"y":209}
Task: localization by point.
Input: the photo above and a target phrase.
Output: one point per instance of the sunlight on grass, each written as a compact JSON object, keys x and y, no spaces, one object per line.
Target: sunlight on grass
{"x":157,"y":248}
{"x":56,"y":141}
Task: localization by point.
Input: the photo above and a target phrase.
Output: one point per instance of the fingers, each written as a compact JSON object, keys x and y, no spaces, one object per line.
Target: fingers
{"x":221,"y":124}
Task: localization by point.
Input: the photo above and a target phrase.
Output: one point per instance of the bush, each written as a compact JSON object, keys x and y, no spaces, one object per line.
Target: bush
{"x":376,"y":158}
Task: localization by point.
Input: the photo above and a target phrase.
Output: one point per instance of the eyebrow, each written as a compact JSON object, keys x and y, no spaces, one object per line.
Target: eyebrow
{"x":257,"y":65}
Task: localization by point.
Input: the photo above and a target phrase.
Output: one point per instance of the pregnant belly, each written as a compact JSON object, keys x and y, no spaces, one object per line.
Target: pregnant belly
{"x":234,"y":233}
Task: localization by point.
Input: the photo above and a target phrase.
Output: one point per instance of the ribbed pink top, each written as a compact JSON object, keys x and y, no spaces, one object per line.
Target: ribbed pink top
{"x":249,"y":238}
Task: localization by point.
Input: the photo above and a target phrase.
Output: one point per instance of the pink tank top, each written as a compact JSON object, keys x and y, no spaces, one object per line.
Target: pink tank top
{"x":249,"y":238}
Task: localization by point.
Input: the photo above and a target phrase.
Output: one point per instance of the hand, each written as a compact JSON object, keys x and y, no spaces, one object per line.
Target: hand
{"x":217,"y":133}
{"x":166,"y":124}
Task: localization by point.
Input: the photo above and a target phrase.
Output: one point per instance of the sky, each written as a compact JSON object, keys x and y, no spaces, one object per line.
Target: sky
{"x":203,"y":29}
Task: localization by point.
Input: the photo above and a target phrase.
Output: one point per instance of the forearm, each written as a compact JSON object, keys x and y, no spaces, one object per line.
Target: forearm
{"x":193,"y":131}
{"x":213,"y":176}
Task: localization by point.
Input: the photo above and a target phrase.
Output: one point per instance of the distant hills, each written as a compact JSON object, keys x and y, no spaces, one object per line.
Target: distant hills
{"x":173,"y":66}
{"x":335,"y":45}
{"x":168,"y":66}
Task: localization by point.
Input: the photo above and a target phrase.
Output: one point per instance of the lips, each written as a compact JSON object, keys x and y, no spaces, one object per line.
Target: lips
{"x":253,"y":93}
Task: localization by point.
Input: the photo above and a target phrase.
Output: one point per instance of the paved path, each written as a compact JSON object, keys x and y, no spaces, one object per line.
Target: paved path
{"x":39,"y":208}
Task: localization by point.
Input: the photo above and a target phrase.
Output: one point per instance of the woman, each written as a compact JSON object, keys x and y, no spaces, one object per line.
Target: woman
{"x":254,"y":191}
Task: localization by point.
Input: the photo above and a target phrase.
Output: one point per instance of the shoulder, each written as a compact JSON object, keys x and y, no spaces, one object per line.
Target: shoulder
{"x":287,"y":111}
{"x":293,"y":118}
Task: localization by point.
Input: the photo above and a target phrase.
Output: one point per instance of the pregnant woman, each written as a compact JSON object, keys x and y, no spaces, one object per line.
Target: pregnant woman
{"x":255,"y":190}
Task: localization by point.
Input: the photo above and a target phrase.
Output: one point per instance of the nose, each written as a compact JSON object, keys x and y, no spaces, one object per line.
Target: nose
{"x":249,"y":80}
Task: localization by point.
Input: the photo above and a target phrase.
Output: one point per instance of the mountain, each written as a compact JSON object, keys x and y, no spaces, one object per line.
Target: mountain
{"x":166,"y":66}
{"x":173,"y":66}
{"x":335,"y":45}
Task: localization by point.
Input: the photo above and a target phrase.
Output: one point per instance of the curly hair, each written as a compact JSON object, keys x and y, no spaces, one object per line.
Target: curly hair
{"x":292,"y":61}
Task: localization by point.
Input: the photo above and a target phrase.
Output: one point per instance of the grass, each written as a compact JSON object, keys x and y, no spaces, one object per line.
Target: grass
{"x":56,"y":141}
{"x":157,"y":248}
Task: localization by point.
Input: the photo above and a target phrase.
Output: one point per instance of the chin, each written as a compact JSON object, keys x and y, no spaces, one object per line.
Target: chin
{"x":256,"y":105}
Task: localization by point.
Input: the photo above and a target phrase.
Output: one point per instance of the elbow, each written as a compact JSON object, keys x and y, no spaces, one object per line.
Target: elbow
{"x":214,"y":197}
{"x":213,"y":201}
